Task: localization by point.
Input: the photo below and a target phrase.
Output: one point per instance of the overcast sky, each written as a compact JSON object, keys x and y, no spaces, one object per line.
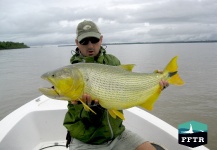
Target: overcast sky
{"x":41,"y":22}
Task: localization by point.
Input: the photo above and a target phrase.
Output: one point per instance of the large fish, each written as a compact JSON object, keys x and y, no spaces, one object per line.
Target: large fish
{"x":115,"y":87}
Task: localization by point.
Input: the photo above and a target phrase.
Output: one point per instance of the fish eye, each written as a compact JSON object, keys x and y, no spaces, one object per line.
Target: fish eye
{"x":52,"y":75}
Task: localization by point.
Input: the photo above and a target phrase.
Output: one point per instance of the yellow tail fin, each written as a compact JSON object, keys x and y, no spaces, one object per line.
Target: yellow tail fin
{"x":172,"y":67}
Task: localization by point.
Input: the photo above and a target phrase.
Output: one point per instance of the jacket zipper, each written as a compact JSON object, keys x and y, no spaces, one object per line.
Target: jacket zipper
{"x":110,"y":127}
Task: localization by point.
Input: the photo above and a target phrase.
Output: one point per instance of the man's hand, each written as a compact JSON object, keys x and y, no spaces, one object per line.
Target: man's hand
{"x":86,"y":99}
{"x":163,"y":83}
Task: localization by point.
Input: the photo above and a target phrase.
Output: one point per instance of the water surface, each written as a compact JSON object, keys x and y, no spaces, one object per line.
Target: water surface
{"x":20,"y":72}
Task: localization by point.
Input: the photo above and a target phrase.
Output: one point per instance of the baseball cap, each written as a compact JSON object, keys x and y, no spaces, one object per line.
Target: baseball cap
{"x":87,"y":29}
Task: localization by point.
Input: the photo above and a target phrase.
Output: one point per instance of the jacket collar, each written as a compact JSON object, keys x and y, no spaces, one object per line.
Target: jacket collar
{"x":80,"y":58}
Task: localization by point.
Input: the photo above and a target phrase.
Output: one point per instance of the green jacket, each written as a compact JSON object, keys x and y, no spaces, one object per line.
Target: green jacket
{"x":86,"y":126}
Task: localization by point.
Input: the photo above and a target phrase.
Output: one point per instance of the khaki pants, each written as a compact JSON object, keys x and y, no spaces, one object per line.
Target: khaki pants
{"x":126,"y":141}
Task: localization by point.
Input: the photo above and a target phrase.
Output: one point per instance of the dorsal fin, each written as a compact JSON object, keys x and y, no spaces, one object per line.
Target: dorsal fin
{"x":128,"y":67}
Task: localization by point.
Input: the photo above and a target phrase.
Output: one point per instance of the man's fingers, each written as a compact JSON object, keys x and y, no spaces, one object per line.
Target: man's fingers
{"x":164,"y":84}
{"x":159,"y":71}
{"x":86,"y":99}
{"x":161,"y":83}
{"x":96,"y":102}
{"x":74,"y":102}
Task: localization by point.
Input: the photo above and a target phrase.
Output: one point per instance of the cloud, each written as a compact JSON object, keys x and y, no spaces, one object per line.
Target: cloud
{"x":38,"y":22}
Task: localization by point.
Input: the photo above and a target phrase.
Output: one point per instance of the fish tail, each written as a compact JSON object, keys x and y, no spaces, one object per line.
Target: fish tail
{"x":172,"y":70}
{"x":173,"y":78}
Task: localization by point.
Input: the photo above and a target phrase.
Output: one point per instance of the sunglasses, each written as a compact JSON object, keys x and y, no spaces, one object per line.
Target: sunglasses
{"x":93,"y":40}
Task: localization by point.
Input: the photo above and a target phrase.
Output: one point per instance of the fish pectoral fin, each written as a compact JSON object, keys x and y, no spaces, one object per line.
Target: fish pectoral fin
{"x":151,"y":100}
{"x":114,"y":113}
{"x":128,"y":67}
{"x":86,"y":107}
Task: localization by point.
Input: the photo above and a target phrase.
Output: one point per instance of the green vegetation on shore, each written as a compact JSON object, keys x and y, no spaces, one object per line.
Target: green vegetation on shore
{"x":12,"y":45}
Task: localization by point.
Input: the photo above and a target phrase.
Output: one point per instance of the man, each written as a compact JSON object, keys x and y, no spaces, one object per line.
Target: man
{"x":85,"y":129}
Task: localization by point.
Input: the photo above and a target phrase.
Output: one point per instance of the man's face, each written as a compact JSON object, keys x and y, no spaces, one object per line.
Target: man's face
{"x":89,"y":46}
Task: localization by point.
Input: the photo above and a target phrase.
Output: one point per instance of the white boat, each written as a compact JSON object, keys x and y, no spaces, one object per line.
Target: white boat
{"x":38,"y":125}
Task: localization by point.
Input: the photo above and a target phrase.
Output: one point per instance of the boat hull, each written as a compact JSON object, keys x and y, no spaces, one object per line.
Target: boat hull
{"x":39,"y":123}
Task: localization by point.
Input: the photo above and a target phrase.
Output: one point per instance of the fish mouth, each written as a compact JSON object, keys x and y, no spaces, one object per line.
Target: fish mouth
{"x":49,"y":91}
{"x":53,"y":88}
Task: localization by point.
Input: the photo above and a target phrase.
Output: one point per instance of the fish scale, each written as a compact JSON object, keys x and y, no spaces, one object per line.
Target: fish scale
{"x":114,"y":86}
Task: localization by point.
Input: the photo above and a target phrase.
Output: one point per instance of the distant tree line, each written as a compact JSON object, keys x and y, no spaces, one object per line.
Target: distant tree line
{"x":12,"y":45}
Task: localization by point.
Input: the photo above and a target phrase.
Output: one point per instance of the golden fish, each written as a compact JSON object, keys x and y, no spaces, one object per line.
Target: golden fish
{"x":115,"y":87}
